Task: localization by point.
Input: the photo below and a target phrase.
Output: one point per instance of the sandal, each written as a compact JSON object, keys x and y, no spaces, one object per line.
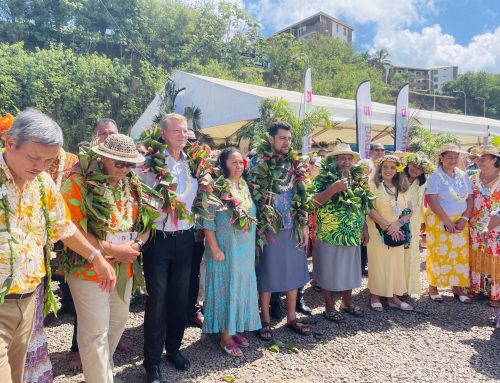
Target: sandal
{"x":402,"y":306}
{"x":299,"y":327}
{"x":232,"y":349}
{"x":463,"y":298}
{"x":333,"y":316}
{"x":240,"y":340}
{"x":377,"y":306}
{"x":265,"y":332}
{"x":353,"y":310}
{"x":436,"y":298}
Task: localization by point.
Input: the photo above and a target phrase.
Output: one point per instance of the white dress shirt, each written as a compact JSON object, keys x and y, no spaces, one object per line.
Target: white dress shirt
{"x":178,"y":171}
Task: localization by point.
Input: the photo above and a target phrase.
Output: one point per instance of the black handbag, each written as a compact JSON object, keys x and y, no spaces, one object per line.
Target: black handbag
{"x":404,"y":240}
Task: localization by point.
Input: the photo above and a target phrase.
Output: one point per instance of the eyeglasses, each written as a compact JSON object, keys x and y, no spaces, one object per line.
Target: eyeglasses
{"x":379,"y":150}
{"x":123,"y":164}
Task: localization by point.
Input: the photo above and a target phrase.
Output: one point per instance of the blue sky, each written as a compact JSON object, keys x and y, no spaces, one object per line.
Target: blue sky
{"x":416,"y":32}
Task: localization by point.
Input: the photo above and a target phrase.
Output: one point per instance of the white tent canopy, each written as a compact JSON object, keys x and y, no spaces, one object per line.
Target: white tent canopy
{"x":228,"y":105}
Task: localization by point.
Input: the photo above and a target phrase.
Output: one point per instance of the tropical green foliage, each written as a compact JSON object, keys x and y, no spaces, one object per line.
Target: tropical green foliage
{"x":477,"y":86}
{"x":278,"y":109}
{"x":421,"y":140}
{"x":75,"y":90}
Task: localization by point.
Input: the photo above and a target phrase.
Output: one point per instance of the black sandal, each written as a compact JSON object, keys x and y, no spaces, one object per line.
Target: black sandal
{"x":333,"y":316}
{"x":265,"y":332}
{"x":299,"y":327}
{"x":353,"y":310}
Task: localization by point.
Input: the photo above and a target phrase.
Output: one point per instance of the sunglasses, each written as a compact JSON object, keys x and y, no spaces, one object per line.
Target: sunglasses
{"x":123,"y":164}
{"x":379,"y":150}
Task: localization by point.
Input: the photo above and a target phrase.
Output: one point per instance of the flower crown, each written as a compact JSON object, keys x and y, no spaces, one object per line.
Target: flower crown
{"x":391,"y":158}
{"x":420,"y":161}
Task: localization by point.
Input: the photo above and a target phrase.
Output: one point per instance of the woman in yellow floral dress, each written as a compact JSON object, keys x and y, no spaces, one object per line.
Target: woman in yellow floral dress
{"x":449,"y":196}
{"x":485,"y":248}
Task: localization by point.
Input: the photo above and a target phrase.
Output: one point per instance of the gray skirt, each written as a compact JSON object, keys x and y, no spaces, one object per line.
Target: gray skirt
{"x":282,"y":266}
{"x":337,"y":268}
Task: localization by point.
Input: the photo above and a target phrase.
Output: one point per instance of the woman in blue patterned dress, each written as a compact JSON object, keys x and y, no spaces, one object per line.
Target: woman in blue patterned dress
{"x":231,"y":305}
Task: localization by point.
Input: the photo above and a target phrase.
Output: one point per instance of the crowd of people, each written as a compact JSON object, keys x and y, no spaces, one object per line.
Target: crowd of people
{"x":154,"y":216}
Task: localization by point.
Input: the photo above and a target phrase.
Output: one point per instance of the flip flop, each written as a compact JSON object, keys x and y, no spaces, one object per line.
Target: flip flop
{"x":403,"y":306}
{"x":240,"y":340}
{"x":232,"y":349}
{"x":463,"y":298}
{"x":265,"y":332}
{"x":377,"y":306}
{"x":353,"y":310}
{"x":436,"y":298}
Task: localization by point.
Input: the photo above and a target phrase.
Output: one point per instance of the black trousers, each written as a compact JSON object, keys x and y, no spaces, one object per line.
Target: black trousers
{"x":364,"y":258}
{"x":194,"y":283}
{"x":167,"y":270}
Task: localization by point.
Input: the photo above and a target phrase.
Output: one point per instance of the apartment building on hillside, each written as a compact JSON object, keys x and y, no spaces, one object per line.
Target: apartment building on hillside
{"x":425,"y":79}
{"x":320,"y":23}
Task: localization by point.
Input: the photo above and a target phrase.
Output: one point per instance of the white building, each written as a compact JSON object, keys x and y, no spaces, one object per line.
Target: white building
{"x":320,"y":23}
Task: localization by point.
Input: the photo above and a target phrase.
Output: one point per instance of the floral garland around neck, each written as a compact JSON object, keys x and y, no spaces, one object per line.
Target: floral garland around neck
{"x":98,"y":206}
{"x":50,"y":300}
{"x":265,"y":180}
{"x":196,"y":166}
{"x":236,"y":201}
{"x":60,"y":168}
{"x":458,"y":179}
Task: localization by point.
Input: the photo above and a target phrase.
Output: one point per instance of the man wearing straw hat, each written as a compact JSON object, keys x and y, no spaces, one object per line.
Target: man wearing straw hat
{"x":29,"y":197}
{"x":113,"y":221}
{"x":337,"y":261}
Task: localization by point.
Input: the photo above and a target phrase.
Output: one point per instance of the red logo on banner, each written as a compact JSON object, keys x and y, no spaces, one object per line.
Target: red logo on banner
{"x":404,"y":112}
{"x":367,"y":111}
{"x":309,"y":97}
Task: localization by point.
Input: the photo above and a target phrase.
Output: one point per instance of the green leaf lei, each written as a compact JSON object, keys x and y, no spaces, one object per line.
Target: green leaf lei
{"x":240,"y":218}
{"x":264,"y":181}
{"x":50,"y":300}
{"x":200,"y":169}
{"x":357,"y":197}
{"x":96,"y":210}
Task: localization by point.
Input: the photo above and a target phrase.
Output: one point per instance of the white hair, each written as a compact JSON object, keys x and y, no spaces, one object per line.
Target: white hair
{"x":35,"y":126}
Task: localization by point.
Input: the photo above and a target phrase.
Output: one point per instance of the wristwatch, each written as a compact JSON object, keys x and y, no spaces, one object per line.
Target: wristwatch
{"x":401,"y":221}
{"x":140,"y":244}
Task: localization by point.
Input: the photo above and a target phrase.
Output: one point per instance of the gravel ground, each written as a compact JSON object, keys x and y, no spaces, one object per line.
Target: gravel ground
{"x":448,"y":342}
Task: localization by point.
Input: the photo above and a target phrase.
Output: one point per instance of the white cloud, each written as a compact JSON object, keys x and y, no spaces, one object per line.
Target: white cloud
{"x":423,"y":45}
{"x":431,"y":47}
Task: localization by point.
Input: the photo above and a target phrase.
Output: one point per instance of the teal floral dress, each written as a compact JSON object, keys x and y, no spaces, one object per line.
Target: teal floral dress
{"x":230,"y":286}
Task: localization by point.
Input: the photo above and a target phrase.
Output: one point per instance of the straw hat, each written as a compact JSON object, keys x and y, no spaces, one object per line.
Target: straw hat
{"x":119,"y":147}
{"x":450,"y":148}
{"x":474,"y":152}
{"x":488,"y":149}
{"x":342,"y":148}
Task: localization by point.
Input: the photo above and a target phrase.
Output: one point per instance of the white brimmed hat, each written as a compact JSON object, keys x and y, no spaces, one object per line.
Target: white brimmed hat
{"x":119,"y":147}
{"x":450,"y":148}
{"x":342,"y":148}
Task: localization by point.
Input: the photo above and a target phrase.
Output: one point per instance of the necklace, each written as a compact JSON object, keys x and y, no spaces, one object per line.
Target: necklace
{"x":458,"y":183}
{"x":123,"y":217}
{"x":286,"y":183}
{"x":483,"y":184}
{"x":390,"y":194}
{"x":241,"y":193}
{"x":60,"y":168}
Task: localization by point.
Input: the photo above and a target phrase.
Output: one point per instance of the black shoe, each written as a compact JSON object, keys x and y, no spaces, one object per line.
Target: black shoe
{"x":275,"y":311}
{"x":153,"y":375}
{"x":303,"y":308}
{"x":178,"y":361}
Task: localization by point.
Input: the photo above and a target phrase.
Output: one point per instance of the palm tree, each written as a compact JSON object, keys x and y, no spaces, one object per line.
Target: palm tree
{"x":278,"y":109}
